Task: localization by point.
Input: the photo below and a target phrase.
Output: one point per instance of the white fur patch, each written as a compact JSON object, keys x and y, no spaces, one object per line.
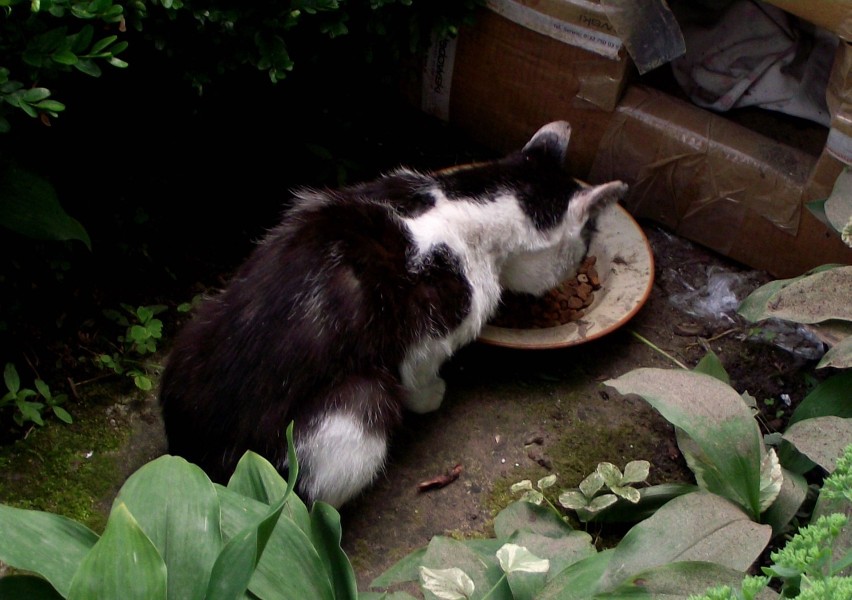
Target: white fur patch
{"x":340,"y":458}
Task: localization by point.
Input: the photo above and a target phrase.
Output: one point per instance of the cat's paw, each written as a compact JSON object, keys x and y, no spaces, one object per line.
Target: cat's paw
{"x":426,"y":398}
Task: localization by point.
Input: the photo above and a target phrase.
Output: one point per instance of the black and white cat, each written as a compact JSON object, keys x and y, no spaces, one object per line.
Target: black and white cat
{"x":343,"y":315}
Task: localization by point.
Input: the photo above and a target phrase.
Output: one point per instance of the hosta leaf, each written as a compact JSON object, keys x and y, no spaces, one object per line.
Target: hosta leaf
{"x":561,"y":551}
{"x":256,"y":478}
{"x":445,"y":553}
{"x":524,"y":516}
{"x":636,"y":471}
{"x":756,"y":306}
{"x":814,"y":298}
{"x":771,"y":479}
{"x":610,"y":474}
{"x":696,"y":527}
{"x":124,"y":563}
{"x":514,"y":558}
{"x":573,"y":499}
{"x":839,"y":356}
{"x":715,"y":417}
{"x":711,"y":365}
{"x":447,"y":584}
{"x":821,"y":439}
{"x":592,"y":484}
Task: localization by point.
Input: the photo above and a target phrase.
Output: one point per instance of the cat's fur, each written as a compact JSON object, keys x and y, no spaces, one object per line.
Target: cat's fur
{"x":343,"y":315}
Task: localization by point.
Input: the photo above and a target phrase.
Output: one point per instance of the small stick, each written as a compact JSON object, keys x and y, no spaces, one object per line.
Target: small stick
{"x":441,"y":480}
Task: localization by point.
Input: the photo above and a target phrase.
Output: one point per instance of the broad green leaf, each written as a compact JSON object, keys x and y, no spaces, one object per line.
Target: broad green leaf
{"x":756,"y":306}
{"x":11,"y":378}
{"x":561,"y":552}
{"x":839,"y":356}
{"x":326,"y":534}
{"x":601,"y":502}
{"x":102,"y":43}
{"x":678,"y":581}
{"x":64,"y":57}
{"x":628,"y":493}
{"x":236,"y":563}
{"x":51,"y":545}
{"x":62,"y":414}
{"x":29,"y":206}
{"x":445,"y":553}
{"x":514,"y":558}
{"x":27,"y":587}
{"x":385,"y":596}
{"x":88,"y":66}
{"x":256,"y":478}
{"x":696,"y":527}
{"x":610,"y":473}
{"x":305,"y":575}
{"x":405,"y":569}
{"x":794,"y":490}
{"x":814,"y":298}
{"x":523,"y":515}
{"x":447,"y":584}
{"x":176,"y":505}
{"x":592,"y":484}
{"x":830,"y":398}
{"x":711,"y":365}
{"x":579,"y":581}
{"x":715,"y":417}
{"x":34,"y":95}
{"x":821,"y":439}
{"x":122,"y":564}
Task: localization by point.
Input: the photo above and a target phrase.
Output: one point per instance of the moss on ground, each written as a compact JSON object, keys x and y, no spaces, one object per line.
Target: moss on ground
{"x":65,"y":469}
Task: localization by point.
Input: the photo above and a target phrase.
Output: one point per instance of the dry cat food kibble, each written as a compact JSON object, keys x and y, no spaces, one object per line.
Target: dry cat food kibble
{"x":565,"y":303}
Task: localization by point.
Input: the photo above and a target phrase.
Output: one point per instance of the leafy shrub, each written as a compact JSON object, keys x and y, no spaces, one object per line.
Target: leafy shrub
{"x":28,"y":410}
{"x":142,"y":332}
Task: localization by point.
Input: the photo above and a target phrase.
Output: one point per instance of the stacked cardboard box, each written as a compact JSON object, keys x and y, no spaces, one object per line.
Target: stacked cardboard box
{"x":526,"y":62}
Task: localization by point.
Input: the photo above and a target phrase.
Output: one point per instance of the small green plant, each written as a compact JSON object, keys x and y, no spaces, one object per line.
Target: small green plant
{"x":142,"y":332}
{"x":31,"y":410}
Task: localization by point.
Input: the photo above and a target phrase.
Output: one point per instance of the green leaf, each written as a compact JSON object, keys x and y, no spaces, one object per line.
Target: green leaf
{"x":256,"y":478}
{"x":81,"y":40}
{"x":51,"y":545}
{"x":715,"y":417}
{"x":404,"y":570}
{"x":50,"y":106}
{"x":11,"y":378}
{"x":62,"y":414}
{"x":839,"y":356}
{"x":122,"y":564}
{"x":838,"y":206}
{"x":43,"y":389}
{"x":514,"y":558}
{"x":326,"y":534}
{"x":33,"y":95}
{"x":447,"y":584}
{"x":771,"y":479}
{"x":677,"y":580}
{"x":523,"y":515}
{"x":821,"y":439}
{"x":756,"y":305}
{"x":695,"y":527}
{"x":143,"y":382}
{"x":610,"y":473}
{"x":592,"y":484}
{"x":829,"y":398}
{"x":711,"y":365}
{"x":628,"y":493}
{"x":814,"y":298}
{"x":102,"y":43}
{"x":176,"y":505}
{"x":64,"y":57}
{"x":88,"y":66}
{"x":117,"y":62}
{"x":546,"y":482}
{"x":794,"y":490}
{"x":636,"y":471}
{"x":579,"y":581}
{"x":27,"y":587}
{"x":573,"y":499}
{"x":29,"y":206}
{"x":601,"y":502}
{"x":650,"y":500}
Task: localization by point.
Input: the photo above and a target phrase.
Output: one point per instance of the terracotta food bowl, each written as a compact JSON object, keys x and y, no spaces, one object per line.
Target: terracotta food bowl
{"x":625,"y":266}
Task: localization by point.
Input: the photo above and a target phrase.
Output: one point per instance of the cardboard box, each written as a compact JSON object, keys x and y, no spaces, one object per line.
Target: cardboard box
{"x":716,"y":183}
{"x":501,"y":79}
{"x":833,"y":15}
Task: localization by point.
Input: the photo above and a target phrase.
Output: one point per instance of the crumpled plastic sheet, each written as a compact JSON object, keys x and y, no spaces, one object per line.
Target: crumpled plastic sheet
{"x":714,"y":298}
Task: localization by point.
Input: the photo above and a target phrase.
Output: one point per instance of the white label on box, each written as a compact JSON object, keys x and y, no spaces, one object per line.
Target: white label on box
{"x":839,"y":145}
{"x":564,"y":31}
{"x":438,"y":77}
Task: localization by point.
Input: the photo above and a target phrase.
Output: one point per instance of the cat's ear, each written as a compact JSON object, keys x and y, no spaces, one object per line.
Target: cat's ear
{"x":589,"y":201}
{"x":550,"y":142}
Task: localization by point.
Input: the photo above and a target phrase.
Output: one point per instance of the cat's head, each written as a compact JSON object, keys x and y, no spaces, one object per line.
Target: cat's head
{"x":561,"y":213}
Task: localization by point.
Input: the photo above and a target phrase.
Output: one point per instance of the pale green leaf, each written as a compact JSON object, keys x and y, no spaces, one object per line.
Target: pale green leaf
{"x":405,"y":569}
{"x":573,"y":499}
{"x":814,"y":298}
{"x":580,"y":581}
{"x":592,"y":484}
{"x":838,"y":206}
{"x":771,"y":478}
{"x":124,"y":563}
{"x":561,"y":551}
{"x":447,"y":584}
{"x":794,"y":490}
{"x":636,"y":471}
{"x":610,"y":474}
{"x":839,"y":356}
{"x":628,"y":493}
{"x":601,"y":502}
{"x":514,"y":558}
{"x":525,"y":516}
{"x":756,"y":305}
{"x":533,"y":497}
{"x":711,"y":365}
{"x":51,"y":545}
{"x":677,"y":581}
{"x":521,"y":486}
{"x":546,"y":482}
{"x":446,"y":553}
{"x":715,"y":417}
{"x":821,"y":439}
